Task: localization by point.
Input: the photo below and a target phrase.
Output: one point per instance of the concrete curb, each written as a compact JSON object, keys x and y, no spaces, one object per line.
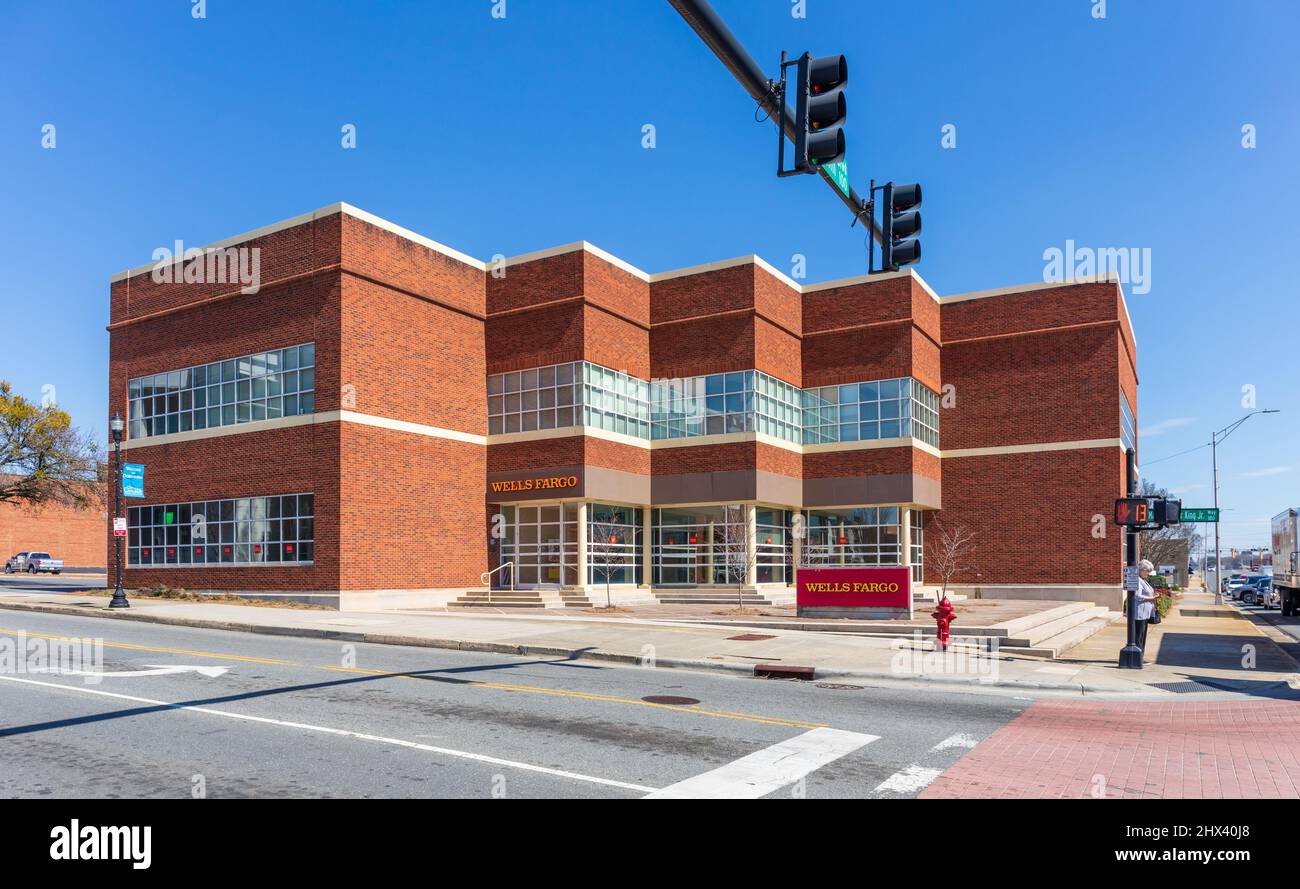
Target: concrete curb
{"x":590,"y":654}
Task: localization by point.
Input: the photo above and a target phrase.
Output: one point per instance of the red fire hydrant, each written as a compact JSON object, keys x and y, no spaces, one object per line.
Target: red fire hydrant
{"x":943,"y":614}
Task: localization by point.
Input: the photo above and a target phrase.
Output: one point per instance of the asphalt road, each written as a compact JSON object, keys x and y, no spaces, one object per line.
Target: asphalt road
{"x":287,"y":717}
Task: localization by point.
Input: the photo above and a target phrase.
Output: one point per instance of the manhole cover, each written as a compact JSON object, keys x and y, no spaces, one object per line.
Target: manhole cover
{"x":840,"y":686}
{"x":749,"y":637}
{"x":669,"y":699}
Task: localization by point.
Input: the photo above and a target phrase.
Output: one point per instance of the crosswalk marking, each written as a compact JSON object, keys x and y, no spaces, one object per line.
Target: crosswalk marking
{"x":912,"y":779}
{"x":769,"y":769}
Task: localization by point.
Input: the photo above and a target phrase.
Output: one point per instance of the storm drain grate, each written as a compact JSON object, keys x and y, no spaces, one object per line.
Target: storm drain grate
{"x":749,"y":637}
{"x":673,"y":700}
{"x":1190,"y":687}
{"x":839,"y":686}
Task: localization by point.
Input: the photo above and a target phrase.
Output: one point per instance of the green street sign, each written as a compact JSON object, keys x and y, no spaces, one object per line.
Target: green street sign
{"x":1207,"y":514}
{"x":839,"y":173}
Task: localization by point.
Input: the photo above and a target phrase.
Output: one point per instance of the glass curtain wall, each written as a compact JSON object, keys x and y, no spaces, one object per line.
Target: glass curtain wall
{"x":864,"y":536}
{"x":613,"y":544}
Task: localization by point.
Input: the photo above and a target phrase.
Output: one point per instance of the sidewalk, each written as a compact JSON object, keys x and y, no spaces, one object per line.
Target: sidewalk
{"x":731,"y":648}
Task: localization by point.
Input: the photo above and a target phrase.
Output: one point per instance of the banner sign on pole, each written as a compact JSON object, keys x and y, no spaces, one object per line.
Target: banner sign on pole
{"x":132,"y":479}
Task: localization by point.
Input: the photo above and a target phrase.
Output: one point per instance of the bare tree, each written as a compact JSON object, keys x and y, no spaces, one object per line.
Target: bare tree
{"x":1170,"y":545}
{"x":736,"y":545}
{"x":605,"y":552}
{"x":949,"y":549}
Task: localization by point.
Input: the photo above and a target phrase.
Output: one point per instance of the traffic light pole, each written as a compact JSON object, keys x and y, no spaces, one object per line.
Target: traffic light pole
{"x":1130,"y":658}
{"x":762,"y":89}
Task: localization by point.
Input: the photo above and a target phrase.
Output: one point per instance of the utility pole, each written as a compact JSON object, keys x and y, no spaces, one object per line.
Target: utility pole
{"x":1215,"y":438}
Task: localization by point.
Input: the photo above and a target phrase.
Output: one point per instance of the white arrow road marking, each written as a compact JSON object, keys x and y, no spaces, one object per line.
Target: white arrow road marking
{"x":912,"y":779}
{"x":155,"y":670}
{"x":341,"y":733}
{"x":951,"y":741}
{"x":771,"y":768}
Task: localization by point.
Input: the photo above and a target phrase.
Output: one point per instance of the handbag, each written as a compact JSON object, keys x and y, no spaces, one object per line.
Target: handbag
{"x":1155,"y":613}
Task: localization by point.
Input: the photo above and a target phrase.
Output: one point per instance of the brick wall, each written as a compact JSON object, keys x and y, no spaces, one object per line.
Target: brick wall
{"x":74,"y":535}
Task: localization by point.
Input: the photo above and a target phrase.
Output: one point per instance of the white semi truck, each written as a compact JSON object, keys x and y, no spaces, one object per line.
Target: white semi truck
{"x":1286,"y":573}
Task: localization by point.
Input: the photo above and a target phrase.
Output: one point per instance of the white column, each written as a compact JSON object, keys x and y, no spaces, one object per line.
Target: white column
{"x":582,"y":545}
{"x":905,"y":534}
{"x":751,"y":524}
{"x":796,"y":545}
{"x":646,"y":549}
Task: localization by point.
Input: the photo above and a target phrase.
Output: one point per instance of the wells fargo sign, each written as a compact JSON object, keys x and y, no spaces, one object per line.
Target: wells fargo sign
{"x":854,"y":587}
{"x":528,"y":485}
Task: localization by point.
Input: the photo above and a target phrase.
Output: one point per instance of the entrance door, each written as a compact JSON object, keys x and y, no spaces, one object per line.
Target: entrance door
{"x":539,"y":546}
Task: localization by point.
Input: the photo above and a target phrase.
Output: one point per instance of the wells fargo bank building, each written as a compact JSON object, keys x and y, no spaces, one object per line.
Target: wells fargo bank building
{"x":386,"y":420}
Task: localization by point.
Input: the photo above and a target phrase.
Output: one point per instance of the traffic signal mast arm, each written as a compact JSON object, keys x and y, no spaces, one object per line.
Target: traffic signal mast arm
{"x":718,"y":37}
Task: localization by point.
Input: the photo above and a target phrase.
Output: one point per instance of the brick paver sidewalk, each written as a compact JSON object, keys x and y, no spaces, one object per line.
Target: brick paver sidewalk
{"x":1157,"y":749}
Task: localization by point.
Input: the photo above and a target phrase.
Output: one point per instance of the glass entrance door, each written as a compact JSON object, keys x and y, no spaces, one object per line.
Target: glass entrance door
{"x":541,"y":544}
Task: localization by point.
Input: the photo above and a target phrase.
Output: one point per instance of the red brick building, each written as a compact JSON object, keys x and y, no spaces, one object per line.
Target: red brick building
{"x":74,"y":535}
{"x":388,"y":419}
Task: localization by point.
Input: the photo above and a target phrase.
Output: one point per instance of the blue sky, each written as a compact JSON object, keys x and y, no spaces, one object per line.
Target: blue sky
{"x":504,"y":135}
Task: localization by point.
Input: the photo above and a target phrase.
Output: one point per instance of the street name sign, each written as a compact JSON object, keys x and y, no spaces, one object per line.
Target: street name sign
{"x":1203,"y":514}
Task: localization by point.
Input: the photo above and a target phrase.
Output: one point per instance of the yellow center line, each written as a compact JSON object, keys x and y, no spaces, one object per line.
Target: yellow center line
{"x":498,"y":686}
{"x":181,"y":651}
{"x":589,"y":696}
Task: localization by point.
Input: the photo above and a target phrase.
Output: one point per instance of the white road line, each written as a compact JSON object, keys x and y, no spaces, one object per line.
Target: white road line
{"x":343,"y":733}
{"x":964,"y":741}
{"x":771,"y":768}
{"x":912,"y":779}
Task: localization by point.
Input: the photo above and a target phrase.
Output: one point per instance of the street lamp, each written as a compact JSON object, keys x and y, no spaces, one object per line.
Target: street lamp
{"x":116,"y":425}
{"x":1215,"y":438}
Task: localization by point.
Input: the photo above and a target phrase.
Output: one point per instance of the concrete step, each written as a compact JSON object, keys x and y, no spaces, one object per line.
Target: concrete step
{"x":1034,"y":635}
{"x":719,"y":600}
{"x":1055,"y":646}
{"x":1017,"y":625}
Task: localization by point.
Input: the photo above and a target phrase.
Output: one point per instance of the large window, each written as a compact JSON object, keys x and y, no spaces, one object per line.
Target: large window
{"x":1127,"y":425}
{"x":244,"y":531}
{"x":586,"y":394}
{"x":863,"y":536}
{"x":563,"y":395}
{"x":613,"y":544}
{"x":264,"y":386}
{"x":871,"y":410}
{"x":700,"y":545}
{"x":772,"y":527}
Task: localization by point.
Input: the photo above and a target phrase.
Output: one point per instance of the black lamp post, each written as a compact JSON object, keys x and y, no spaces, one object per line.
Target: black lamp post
{"x":116,"y":425}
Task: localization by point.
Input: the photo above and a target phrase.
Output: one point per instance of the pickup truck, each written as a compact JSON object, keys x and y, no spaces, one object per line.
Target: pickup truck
{"x":33,"y":563}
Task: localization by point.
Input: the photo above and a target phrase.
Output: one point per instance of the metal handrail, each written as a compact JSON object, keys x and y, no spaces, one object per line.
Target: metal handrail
{"x":486,"y":578}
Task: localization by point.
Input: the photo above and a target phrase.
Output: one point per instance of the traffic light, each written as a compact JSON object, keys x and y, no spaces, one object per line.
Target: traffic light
{"x":1133,"y":512}
{"x":1169,"y":512}
{"x":820,"y":110}
{"x":899,"y":222}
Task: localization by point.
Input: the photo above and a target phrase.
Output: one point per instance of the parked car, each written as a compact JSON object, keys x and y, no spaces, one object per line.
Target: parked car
{"x":33,"y":563}
{"x":1256,"y":591}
